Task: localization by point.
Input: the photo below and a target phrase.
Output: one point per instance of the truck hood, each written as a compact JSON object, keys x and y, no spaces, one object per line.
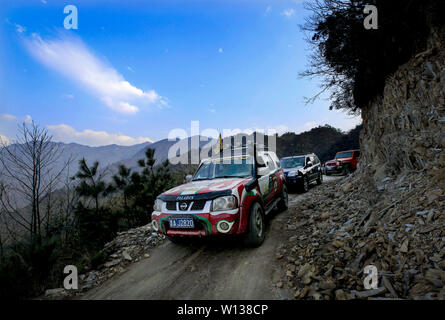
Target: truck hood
{"x":343,"y":159}
{"x":292,"y":169}
{"x":206,"y":186}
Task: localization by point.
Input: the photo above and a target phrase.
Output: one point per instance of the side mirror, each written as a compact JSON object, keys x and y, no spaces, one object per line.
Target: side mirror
{"x":309,"y":164}
{"x":262,"y":171}
{"x":251,"y":185}
{"x":188,"y":178}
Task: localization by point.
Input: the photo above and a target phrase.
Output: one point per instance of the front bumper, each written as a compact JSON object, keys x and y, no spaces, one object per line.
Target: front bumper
{"x":205,"y":224}
{"x":336,"y":169}
{"x":293,"y":179}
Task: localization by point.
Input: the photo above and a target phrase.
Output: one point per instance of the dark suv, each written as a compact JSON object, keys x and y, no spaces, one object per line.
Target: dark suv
{"x":300,"y":171}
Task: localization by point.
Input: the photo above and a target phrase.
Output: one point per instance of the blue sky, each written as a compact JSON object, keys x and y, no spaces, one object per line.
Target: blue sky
{"x":135,"y":70}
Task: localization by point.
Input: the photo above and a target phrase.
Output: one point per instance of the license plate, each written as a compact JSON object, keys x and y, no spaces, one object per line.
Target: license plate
{"x":181,"y":223}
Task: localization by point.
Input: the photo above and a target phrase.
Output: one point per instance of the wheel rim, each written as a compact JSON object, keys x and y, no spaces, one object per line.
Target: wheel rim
{"x":258,"y":222}
{"x":305,"y":185}
{"x":286,"y":197}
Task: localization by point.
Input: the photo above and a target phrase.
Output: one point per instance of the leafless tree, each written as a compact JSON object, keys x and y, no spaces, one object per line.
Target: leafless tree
{"x":31,"y":170}
{"x":1,"y":219}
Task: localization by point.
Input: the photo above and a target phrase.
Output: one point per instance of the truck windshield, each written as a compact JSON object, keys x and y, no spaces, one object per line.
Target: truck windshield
{"x":343,"y":155}
{"x":217,"y":168}
{"x":292,"y":162}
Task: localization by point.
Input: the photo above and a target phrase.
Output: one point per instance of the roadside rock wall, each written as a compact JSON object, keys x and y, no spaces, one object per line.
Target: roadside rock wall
{"x":404,"y":130}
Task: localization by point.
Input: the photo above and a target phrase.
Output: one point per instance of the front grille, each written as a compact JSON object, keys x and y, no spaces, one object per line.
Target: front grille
{"x":196,"y":206}
{"x":171,"y":205}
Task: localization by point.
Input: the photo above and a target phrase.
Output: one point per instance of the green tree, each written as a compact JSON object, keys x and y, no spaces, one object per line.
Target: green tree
{"x":140,"y":189}
{"x":96,"y":223}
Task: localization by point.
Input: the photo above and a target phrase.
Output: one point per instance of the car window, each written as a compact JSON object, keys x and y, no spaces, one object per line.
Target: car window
{"x":271,"y":163}
{"x":292,"y":162}
{"x":265,"y":160}
{"x":276,"y":160}
{"x":217,"y":168}
{"x":343,"y":155}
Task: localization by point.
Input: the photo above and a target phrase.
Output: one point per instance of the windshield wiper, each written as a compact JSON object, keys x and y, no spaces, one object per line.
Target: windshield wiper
{"x":231,"y":177}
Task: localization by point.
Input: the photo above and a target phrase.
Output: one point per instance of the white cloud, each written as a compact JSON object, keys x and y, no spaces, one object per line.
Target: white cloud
{"x":338,"y":120}
{"x":220,"y":50}
{"x":8,"y":117}
{"x":212,"y":110}
{"x":67,"y":134}
{"x":280,"y":129}
{"x":306,"y":127}
{"x":343,"y":121}
{"x":4,"y":140}
{"x":67,"y":96}
{"x":9,"y":124}
{"x":288,"y":12}
{"x":19,"y":28}
{"x":44,"y":1}
{"x":72,"y":58}
{"x":267,"y":11}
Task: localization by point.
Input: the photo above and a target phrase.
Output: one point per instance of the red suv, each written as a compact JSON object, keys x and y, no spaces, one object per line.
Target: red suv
{"x":344,"y":162}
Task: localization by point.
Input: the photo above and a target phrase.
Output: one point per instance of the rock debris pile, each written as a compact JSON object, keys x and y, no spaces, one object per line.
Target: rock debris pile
{"x":396,"y":225}
{"x":128,"y":247}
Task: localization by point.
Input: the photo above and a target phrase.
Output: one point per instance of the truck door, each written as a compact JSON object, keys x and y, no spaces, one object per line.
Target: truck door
{"x":265,"y":181}
{"x":273,"y":180}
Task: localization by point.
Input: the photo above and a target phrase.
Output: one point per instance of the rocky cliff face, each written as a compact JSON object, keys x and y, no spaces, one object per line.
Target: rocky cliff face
{"x":390,"y":213}
{"x":404,"y":128}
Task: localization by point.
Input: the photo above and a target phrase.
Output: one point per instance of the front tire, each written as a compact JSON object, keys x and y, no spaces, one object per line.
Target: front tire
{"x":320,"y":179}
{"x":255,"y":235}
{"x":305,"y":185}
{"x":284,"y":202}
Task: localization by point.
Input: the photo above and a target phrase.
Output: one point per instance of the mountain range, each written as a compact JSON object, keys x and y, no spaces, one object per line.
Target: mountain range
{"x":324,"y":141}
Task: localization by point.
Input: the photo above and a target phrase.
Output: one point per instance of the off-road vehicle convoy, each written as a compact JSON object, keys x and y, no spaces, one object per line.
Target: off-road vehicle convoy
{"x":300,"y":171}
{"x":344,"y":162}
{"x":228,"y":195}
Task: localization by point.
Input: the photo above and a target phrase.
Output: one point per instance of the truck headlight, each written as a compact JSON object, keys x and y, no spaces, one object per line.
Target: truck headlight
{"x":155,"y":225}
{"x":224,"y":203}
{"x":292,"y":174}
{"x":158,"y":205}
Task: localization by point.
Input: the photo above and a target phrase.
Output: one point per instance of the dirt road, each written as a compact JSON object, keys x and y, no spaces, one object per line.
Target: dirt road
{"x":207,"y":270}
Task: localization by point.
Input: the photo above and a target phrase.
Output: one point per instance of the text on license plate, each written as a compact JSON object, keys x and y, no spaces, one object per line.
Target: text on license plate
{"x":181,"y":223}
